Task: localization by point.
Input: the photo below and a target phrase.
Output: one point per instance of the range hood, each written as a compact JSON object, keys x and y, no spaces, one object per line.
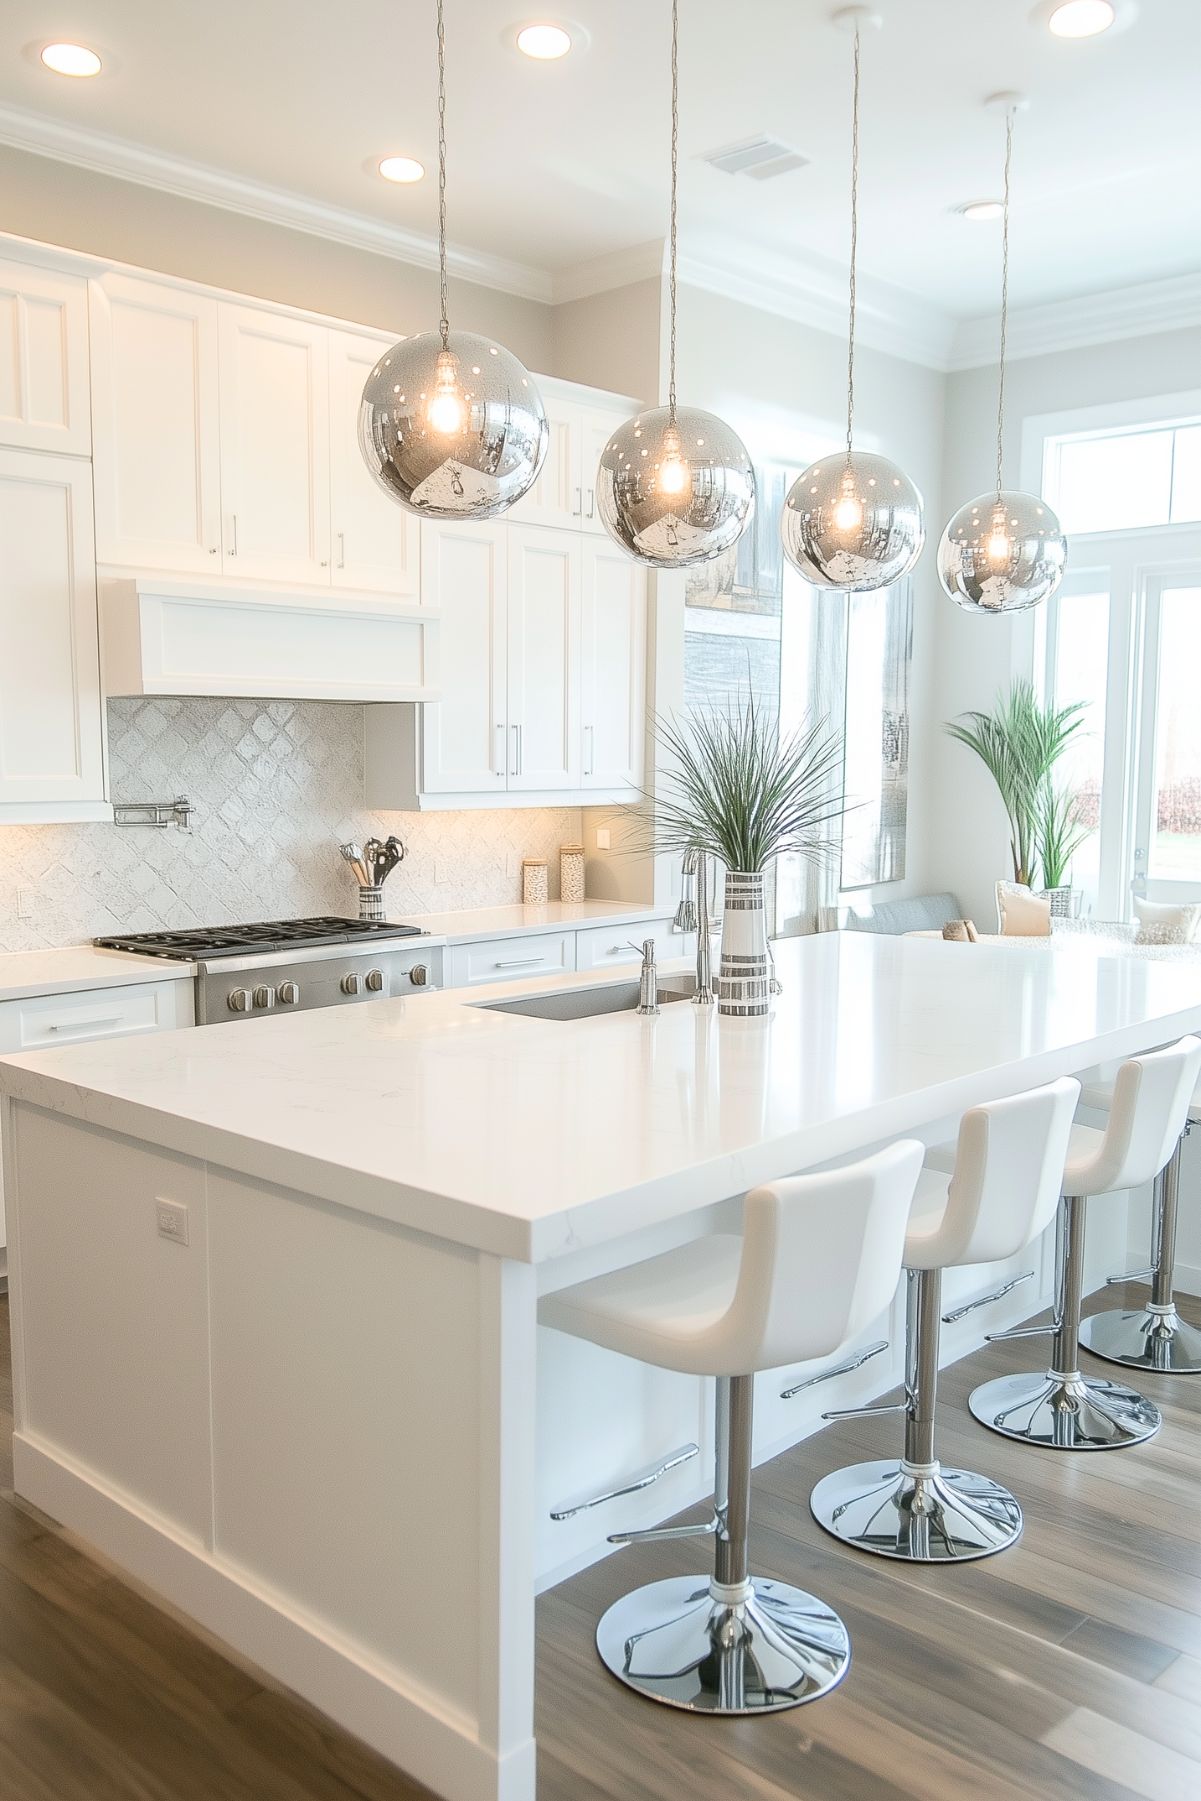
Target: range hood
{"x":263,"y":641}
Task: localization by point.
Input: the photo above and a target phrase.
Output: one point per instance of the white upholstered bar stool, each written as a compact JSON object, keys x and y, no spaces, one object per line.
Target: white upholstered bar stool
{"x":817,"y":1261}
{"x":1062,"y":1408}
{"x":1153,"y":1337}
{"x":979,"y":1200}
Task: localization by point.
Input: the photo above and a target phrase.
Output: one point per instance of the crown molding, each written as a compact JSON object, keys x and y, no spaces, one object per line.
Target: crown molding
{"x":108,"y":155}
{"x":814,"y":293}
{"x":1172,"y":304}
{"x":618,"y":269}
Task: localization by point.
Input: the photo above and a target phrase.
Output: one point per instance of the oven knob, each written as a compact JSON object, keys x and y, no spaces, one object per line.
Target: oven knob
{"x":238,"y":1000}
{"x":375,"y":980}
{"x":419,"y":975}
{"x":264,"y":996}
{"x":288,"y":994}
{"x":351,"y":984}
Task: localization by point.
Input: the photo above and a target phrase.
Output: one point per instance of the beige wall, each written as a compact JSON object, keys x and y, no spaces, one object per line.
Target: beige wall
{"x":58,"y":203}
{"x":976,"y":657}
{"x":611,"y":340}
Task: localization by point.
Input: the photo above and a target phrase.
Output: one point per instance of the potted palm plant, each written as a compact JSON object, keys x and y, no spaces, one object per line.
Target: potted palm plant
{"x":1019,"y":743}
{"x":736,"y":789}
{"x":1059,"y":834}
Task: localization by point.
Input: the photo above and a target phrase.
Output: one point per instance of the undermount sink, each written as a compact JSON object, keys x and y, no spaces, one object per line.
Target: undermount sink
{"x":590,"y":1003}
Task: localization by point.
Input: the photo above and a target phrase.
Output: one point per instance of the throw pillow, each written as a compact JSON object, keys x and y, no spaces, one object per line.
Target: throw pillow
{"x":1161,"y":922}
{"x":1022,"y":914}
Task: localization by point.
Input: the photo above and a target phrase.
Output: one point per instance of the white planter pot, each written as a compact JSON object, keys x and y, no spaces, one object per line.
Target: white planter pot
{"x":744,"y":978}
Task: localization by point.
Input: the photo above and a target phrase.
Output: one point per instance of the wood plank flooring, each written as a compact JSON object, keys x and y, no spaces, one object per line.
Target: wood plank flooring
{"x":1067,"y":1669}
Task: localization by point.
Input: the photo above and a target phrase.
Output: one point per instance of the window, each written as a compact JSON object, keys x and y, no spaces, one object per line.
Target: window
{"x":1125,"y":480}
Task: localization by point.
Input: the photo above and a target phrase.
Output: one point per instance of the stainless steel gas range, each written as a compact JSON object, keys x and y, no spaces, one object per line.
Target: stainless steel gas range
{"x":293,"y":964}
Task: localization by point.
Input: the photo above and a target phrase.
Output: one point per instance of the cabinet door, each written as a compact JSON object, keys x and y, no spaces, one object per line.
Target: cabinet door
{"x":594,"y":428}
{"x":157,"y":426}
{"x":556,"y":496}
{"x":274,"y":446}
{"x":375,"y":542}
{"x":612,"y":667}
{"x":50,"y":715}
{"x":43,"y":360}
{"x":464,"y":740}
{"x":544,"y":658}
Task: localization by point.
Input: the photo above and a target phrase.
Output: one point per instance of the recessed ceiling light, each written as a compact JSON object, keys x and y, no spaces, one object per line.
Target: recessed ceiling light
{"x":71,"y":59}
{"x":545,"y":43}
{"x":980,"y":209}
{"x":1082,"y":18}
{"x":401,"y":168}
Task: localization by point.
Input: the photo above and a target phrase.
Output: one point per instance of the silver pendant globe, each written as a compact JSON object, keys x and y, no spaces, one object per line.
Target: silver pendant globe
{"x":454,"y":432}
{"x":852,"y":523}
{"x":675,"y":492}
{"x":1002,"y":553}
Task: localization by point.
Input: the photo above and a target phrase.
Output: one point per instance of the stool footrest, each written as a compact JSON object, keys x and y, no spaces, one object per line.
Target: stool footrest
{"x":648,"y":1535}
{"x":984,"y":1300}
{"x":1131,"y":1275}
{"x":839,"y":1369}
{"x":856,"y":1413}
{"x":634,"y":1486}
{"x":1023,"y":1332}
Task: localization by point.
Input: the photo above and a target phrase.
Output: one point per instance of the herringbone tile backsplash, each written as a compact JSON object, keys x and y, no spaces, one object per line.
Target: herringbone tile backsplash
{"x":276,"y":786}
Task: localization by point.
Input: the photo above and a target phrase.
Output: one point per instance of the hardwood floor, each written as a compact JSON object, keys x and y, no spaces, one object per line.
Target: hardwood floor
{"x":1068,"y":1667}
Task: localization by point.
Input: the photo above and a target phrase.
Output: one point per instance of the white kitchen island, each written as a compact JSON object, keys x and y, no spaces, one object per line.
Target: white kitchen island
{"x":313,"y":1424}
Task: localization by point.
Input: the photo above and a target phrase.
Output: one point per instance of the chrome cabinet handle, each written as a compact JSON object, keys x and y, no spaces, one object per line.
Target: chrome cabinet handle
{"x":234,"y":547}
{"x":590,"y":760}
{"x":578,"y":508}
{"x":591,"y":503}
{"x":341,"y":550}
{"x":499,"y":772}
{"x":519,"y":963}
{"x":513,"y":769}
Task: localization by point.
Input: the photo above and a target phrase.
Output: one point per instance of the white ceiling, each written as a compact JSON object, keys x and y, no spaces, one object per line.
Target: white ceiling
{"x":556,"y":164}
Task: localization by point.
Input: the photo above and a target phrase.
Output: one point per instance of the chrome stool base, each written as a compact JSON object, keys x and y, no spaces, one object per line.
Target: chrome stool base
{"x":1066,"y":1413}
{"x":1145,"y":1340}
{"x":672,"y":1642}
{"x":947,"y":1516}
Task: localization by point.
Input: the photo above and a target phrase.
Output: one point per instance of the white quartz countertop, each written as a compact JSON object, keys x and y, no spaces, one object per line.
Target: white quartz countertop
{"x":509,"y":922}
{"x":77,"y":967}
{"x":528,"y":1138}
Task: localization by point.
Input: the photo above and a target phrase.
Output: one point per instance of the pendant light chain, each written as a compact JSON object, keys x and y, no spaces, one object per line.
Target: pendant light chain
{"x":444,"y":321}
{"x":1004,"y":299}
{"x":675,"y":179}
{"x":854,"y":252}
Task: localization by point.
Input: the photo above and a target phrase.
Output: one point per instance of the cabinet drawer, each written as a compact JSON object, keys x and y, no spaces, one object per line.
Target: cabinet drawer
{"x":46,"y":1020}
{"x":508,"y":959}
{"x":609,"y":947}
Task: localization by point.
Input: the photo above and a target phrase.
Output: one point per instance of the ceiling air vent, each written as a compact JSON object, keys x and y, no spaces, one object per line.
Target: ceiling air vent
{"x":760,"y":158}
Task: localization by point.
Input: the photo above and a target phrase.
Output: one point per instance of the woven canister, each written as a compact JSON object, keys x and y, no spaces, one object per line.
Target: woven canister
{"x":535,"y":882}
{"x":571,"y":872}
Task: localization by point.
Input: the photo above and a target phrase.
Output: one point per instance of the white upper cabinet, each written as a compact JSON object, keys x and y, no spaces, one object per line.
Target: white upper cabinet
{"x":51,"y":727}
{"x":274,"y":446}
{"x":544,"y":659}
{"x":375,"y":542}
{"x":465,"y":737}
{"x":44,"y":360}
{"x":565,"y":493}
{"x":613,"y":667}
{"x":155,"y":400}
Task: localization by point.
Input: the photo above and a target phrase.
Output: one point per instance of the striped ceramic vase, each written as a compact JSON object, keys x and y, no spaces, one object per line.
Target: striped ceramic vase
{"x":744,"y":978}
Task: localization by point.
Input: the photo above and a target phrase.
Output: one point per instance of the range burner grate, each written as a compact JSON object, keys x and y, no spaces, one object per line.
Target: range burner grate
{"x":265,"y":935}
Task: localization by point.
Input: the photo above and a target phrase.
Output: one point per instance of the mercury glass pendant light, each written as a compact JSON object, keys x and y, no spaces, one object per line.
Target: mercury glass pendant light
{"x":451,"y":425}
{"x":1003,"y":551}
{"x":675,"y":485}
{"x":853,"y":521}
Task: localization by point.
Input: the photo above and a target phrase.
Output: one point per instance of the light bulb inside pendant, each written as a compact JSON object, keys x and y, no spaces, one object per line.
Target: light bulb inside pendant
{"x":673,"y":470}
{"x":446,"y":411}
{"x":848,"y":510}
{"x":999,"y":545}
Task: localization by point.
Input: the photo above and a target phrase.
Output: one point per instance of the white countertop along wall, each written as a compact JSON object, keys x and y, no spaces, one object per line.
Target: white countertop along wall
{"x":78,"y":967}
{"x":528,"y":1138}
{"x":474,"y":923}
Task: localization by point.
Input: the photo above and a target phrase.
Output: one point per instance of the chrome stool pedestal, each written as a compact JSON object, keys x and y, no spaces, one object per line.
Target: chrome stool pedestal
{"x":1063,"y":1409}
{"x":1153,"y":1337}
{"x":914,"y":1508}
{"x":727,"y":1644}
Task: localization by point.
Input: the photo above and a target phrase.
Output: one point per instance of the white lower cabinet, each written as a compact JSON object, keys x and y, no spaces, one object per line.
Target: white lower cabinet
{"x":39,"y":1022}
{"x":613,"y":946}
{"x":508,"y":959}
{"x":51,"y":720}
